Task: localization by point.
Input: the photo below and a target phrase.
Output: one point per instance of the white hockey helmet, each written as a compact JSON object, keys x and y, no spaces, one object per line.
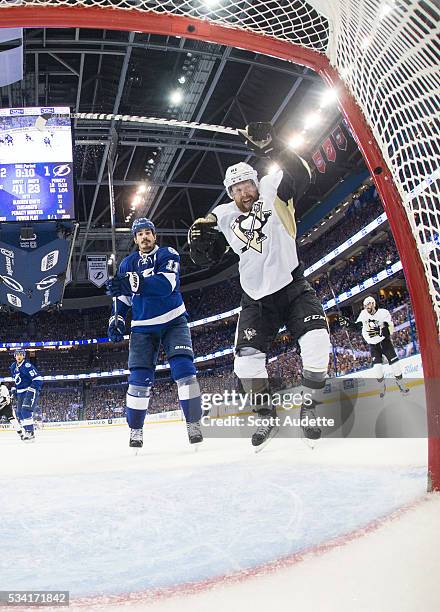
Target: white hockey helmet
{"x":237,"y":174}
{"x":369,"y":300}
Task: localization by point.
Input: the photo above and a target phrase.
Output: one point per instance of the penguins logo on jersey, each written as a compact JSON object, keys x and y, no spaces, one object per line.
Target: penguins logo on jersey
{"x":372,"y":324}
{"x":249,"y":333}
{"x":249,"y":227}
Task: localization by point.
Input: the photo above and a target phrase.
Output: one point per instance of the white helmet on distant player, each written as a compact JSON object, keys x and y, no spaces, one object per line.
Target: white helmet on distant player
{"x":369,"y":300}
{"x":237,"y":174}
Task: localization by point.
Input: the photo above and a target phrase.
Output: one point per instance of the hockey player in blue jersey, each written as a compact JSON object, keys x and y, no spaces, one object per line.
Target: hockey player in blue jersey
{"x":148,"y":282}
{"x":28,"y":383}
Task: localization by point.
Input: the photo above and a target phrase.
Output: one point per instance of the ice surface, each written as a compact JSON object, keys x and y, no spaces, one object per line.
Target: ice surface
{"x":80,"y":512}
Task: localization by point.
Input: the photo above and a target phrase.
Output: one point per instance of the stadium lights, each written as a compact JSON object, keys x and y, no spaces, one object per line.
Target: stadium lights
{"x":142,"y":188}
{"x":150,"y":161}
{"x":181,"y":79}
{"x":296,"y":141}
{"x":176,"y":97}
{"x":311,"y":121}
{"x":329,"y":97}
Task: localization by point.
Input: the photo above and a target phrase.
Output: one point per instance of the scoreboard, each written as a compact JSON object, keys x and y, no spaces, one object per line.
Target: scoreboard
{"x":36,"y":163}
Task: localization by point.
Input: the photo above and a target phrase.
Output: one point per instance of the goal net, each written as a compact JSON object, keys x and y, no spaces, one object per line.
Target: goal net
{"x":383,"y":56}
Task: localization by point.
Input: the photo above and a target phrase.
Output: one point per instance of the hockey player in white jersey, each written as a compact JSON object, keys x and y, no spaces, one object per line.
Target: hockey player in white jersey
{"x":259,"y":224}
{"x":376,"y":326}
{"x":7,"y":411}
{"x":148,"y":282}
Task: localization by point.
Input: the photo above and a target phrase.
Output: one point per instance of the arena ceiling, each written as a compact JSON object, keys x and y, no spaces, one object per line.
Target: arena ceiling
{"x":134,"y":73}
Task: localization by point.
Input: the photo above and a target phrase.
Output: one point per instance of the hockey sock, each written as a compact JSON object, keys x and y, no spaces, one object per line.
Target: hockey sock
{"x":27,"y":420}
{"x":189,"y":398}
{"x":313,"y":384}
{"x":259,"y":398}
{"x":138,"y":399}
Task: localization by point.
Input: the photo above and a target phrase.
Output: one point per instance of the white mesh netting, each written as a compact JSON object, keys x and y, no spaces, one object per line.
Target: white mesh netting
{"x":387,"y":53}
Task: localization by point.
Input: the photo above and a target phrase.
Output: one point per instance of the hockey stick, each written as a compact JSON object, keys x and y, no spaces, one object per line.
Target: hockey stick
{"x":192,"y":125}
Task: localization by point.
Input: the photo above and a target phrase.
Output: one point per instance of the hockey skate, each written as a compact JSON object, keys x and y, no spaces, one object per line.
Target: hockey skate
{"x":310,"y":432}
{"x":136,"y":438}
{"x":265,"y":432}
{"x":28,"y":437}
{"x":194,"y":430}
{"x":402,"y":387}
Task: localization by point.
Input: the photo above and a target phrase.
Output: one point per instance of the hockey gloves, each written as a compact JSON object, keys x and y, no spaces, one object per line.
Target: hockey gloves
{"x":385,"y":331}
{"x":374,"y":331}
{"x":207,"y":245}
{"x":124,"y":284}
{"x":343,"y":321}
{"x":259,"y":137}
{"x":116,"y":329}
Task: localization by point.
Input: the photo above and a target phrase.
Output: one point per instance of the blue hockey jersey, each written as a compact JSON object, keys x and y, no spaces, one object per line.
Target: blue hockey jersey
{"x":159,"y":301}
{"x":26,"y":376}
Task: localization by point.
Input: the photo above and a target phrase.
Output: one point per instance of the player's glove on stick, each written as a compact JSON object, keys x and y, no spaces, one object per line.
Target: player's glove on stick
{"x":343,"y":321}
{"x":116,"y":329}
{"x":207,"y":245}
{"x":259,"y":137}
{"x":124,"y":284}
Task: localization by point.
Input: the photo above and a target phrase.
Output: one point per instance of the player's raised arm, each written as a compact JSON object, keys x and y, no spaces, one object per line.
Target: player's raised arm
{"x":261,"y":138}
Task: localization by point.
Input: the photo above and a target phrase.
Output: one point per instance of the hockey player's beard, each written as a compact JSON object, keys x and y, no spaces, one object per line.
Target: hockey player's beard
{"x":147,"y":246}
{"x":245,"y":203}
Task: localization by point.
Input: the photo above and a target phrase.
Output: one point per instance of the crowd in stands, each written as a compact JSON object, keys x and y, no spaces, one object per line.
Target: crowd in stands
{"x":361,"y":212}
{"x":60,"y":404}
{"x":356,"y":270}
{"x":105,"y":401}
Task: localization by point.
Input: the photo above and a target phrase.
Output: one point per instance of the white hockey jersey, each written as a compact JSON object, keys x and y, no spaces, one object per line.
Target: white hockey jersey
{"x":264,"y":239}
{"x":5,"y":398}
{"x":369,"y":321}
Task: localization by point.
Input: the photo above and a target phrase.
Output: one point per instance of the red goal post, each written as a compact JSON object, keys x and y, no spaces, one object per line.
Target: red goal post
{"x":383,"y":58}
